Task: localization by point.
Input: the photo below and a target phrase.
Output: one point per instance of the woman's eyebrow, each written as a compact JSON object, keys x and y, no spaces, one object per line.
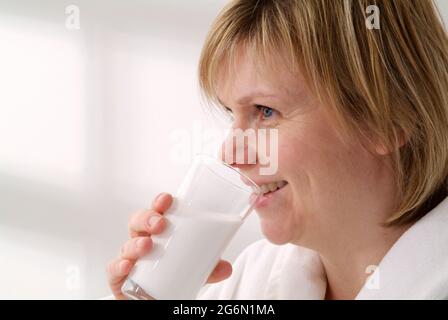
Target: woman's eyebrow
{"x":248,"y":98}
{"x":252,"y":96}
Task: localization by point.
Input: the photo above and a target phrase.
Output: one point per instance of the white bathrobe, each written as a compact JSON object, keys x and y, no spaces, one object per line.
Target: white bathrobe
{"x":416,"y":267}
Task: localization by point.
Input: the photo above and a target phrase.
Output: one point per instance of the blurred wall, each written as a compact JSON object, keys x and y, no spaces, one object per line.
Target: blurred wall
{"x":87,"y":130}
{"x":88,"y":123}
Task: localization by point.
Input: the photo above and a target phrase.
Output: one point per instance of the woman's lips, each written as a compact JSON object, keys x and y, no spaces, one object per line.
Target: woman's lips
{"x":265,"y":198}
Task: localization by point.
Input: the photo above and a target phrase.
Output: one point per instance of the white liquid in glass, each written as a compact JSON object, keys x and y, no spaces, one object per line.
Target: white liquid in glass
{"x":184,"y":254}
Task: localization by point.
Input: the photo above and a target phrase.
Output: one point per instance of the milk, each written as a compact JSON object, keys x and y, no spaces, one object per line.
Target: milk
{"x":184,"y":254}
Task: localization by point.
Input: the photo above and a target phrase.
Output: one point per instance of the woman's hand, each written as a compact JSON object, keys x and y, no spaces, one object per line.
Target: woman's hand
{"x":142,"y":225}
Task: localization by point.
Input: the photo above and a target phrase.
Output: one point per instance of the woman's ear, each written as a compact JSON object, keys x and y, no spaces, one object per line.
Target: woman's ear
{"x":382,"y":149}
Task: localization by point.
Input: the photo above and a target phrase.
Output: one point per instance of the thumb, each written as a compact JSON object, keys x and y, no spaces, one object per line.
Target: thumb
{"x":222,"y":271}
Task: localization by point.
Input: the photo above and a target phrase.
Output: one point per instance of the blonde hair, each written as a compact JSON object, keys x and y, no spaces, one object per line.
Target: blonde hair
{"x":388,"y":84}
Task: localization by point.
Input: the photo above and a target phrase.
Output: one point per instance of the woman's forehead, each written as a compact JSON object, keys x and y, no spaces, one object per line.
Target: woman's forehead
{"x":249,"y":76}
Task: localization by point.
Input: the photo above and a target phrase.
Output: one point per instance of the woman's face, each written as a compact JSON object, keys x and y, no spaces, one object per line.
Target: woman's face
{"x":332,"y":187}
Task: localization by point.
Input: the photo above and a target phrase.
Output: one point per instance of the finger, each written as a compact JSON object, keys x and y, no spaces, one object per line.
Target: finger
{"x":222,"y":271}
{"x":145,"y":222}
{"x":117,"y":271}
{"x":162,"y":202}
{"x":136,"y":248}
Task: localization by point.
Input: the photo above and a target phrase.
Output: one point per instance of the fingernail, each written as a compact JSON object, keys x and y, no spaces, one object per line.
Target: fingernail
{"x":153,"y":220}
{"x":159,"y":196}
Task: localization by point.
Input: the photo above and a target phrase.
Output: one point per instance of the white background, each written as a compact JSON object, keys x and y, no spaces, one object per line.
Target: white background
{"x":86,"y":133}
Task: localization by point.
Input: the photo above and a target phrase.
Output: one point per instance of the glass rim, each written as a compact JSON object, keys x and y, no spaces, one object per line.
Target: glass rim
{"x":254,"y":184}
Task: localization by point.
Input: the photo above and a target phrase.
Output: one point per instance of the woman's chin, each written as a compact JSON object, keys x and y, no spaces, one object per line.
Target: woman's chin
{"x":279,"y":226}
{"x":274,"y":232}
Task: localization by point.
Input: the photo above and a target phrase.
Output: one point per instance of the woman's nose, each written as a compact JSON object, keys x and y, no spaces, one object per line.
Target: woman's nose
{"x":239,"y":148}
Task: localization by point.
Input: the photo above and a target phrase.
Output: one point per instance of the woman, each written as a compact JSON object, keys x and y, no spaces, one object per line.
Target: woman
{"x":362,"y":120}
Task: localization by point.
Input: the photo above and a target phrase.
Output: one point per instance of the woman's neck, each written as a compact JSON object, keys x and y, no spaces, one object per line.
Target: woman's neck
{"x":348,"y":269}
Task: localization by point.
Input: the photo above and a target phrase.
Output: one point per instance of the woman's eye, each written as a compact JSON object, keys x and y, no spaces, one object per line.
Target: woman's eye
{"x":266,"y":112}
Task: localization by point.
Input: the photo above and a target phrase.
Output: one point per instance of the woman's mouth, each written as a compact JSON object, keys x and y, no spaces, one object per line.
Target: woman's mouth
{"x":272,"y":187}
{"x":268,"y":191}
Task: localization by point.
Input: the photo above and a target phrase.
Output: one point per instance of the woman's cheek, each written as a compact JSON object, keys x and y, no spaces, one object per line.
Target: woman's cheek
{"x":292,"y":153}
